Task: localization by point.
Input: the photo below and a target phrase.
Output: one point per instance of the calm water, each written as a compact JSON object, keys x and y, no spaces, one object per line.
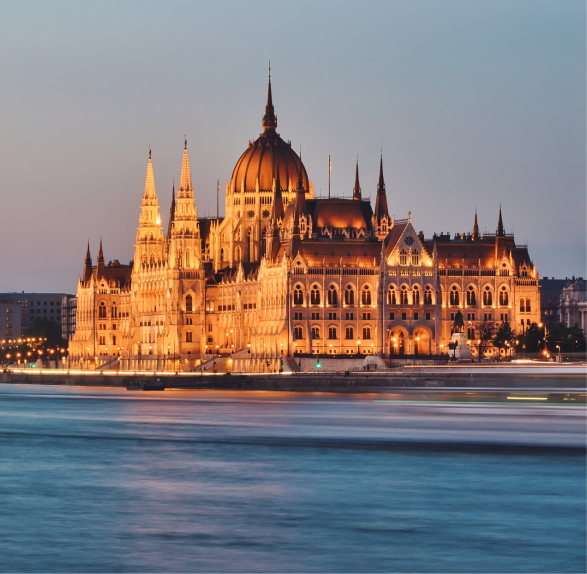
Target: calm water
{"x":95,"y":480}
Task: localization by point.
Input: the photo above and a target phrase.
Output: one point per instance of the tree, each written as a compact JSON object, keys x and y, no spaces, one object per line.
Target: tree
{"x":568,"y":339}
{"x":504,"y":336}
{"x":49,"y":330}
{"x":485,"y":338}
{"x":533,"y":338}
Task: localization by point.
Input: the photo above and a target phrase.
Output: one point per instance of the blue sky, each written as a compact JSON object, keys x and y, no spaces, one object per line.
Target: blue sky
{"x":473,"y":103}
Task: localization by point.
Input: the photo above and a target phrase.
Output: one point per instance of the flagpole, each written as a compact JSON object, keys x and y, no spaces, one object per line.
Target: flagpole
{"x":329,"y":170}
{"x":217,"y":196}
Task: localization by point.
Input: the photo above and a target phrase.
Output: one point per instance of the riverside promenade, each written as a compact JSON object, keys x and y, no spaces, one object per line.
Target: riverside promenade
{"x":505,"y":376}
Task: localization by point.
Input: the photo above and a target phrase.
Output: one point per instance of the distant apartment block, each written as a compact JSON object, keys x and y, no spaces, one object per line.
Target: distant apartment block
{"x":10,"y":319}
{"x":68,"y":315}
{"x":32,"y":307}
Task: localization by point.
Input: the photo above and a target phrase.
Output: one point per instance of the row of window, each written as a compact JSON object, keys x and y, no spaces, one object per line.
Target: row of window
{"x":332,"y":333}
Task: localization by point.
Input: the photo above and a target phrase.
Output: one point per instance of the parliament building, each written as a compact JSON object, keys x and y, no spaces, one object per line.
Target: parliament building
{"x":287,"y":274}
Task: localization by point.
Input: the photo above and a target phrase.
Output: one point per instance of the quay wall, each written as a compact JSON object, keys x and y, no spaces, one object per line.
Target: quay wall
{"x":314,"y":382}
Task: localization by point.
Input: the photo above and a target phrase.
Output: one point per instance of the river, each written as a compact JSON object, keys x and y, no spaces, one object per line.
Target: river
{"x":107,"y":480}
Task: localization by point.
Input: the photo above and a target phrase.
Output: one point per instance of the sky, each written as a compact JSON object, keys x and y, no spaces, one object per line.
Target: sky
{"x":473,"y":104}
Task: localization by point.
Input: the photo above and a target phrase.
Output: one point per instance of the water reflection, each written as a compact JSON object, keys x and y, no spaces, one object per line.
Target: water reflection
{"x":106,"y":480}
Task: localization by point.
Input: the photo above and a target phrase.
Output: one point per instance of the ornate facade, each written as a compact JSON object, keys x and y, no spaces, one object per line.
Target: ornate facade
{"x":285,"y":273}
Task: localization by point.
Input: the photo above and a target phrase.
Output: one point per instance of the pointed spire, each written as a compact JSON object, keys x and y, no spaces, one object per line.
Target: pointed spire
{"x":100,"y":253}
{"x":277,"y":209}
{"x":269,"y":119}
{"x":500,"y":229}
{"x":300,"y":173}
{"x":357,"y":188}
{"x":150,"y":180}
{"x":185,"y":188}
{"x":100,"y":262}
{"x":88,"y":264}
{"x":475,"y":236}
{"x":381,"y":209}
{"x":172,"y":210}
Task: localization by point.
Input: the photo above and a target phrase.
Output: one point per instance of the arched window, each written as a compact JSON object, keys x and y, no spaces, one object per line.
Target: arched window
{"x":188,"y":337}
{"x":188,"y":257}
{"x":332,"y":296}
{"x":366,"y":333}
{"x":152,"y":259}
{"x":416,"y":295}
{"x":522,"y":305}
{"x":415,"y":257}
{"x":298,"y":295}
{"x":503,"y":296}
{"x":114,"y":339}
{"x":349,"y":296}
{"x":298,"y":333}
{"x":403,"y":295}
{"x":210,"y":327}
{"x":528,"y":306}
{"x":222,"y":255}
{"x":403,"y":257}
{"x":332,"y":333}
{"x":316,"y":333}
{"x":366,"y":296}
{"x":114,"y":311}
{"x":454,"y":296}
{"x":471,"y":333}
{"x":188,"y":321}
{"x":350,"y":334}
{"x":391,"y":299}
{"x":315,"y":295}
{"x":487,"y":296}
{"x":471,"y":296}
{"x":102,"y":310}
{"x":188,"y":303}
{"x":428,"y":295}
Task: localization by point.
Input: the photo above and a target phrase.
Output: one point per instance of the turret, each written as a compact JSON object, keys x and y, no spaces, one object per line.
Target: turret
{"x":381,"y":201}
{"x":100,"y":262}
{"x":475,"y":236}
{"x":87,"y":265}
{"x":357,"y":188}
{"x":500,"y":229}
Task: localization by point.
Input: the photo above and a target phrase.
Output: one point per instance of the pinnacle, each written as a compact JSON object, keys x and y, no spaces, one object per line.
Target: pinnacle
{"x":150,"y":192}
{"x":185,"y":180}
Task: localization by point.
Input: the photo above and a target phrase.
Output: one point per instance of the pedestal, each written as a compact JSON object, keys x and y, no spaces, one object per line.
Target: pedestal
{"x":462,"y":351}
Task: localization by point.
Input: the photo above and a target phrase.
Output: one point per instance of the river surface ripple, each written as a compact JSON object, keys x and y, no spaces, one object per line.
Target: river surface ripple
{"x":106,"y":480}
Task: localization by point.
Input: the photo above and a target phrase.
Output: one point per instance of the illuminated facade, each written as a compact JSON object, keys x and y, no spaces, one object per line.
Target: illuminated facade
{"x":285,"y":273}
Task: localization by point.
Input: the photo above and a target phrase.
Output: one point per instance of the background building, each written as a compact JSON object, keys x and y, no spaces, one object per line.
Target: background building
{"x":33,"y":307}
{"x":573,"y":304}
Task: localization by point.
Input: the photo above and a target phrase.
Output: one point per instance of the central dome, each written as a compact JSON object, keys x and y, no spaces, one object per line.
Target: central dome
{"x":265,"y":156}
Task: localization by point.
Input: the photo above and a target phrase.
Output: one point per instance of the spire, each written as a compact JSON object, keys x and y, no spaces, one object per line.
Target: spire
{"x":172,"y":210}
{"x":100,"y":262}
{"x":381,"y":201}
{"x":500,"y":229}
{"x":277,"y":210}
{"x":300,"y":173}
{"x":475,"y":236}
{"x":185,"y":188}
{"x":100,"y":253}
{"x":150,"y":180}
{"x":357,"y":188}
{"x":269,"y":119}
{"x":88,"y":264}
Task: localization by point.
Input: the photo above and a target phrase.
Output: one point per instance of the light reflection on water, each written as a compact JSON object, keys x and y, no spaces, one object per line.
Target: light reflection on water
{"x":109,"y":480}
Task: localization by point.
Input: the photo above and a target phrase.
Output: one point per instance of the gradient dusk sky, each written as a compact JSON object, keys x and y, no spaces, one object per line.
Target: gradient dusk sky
{"x":473,"y":104}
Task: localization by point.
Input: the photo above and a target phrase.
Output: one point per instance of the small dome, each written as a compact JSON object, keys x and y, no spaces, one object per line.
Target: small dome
{"x":265,"y":155}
